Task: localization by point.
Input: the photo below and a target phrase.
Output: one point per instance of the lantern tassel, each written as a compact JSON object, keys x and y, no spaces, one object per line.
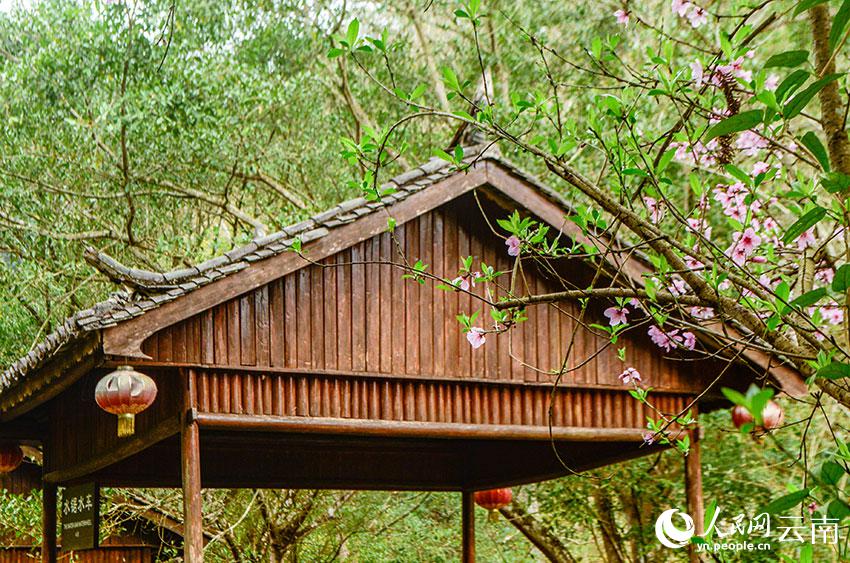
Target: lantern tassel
{"x":126,"y":425}
{"x":493,"y":516}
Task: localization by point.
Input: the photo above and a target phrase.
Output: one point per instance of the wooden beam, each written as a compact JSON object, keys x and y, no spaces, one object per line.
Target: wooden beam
{"x":468,"y":526}
{"x":190,"y":457}
{"x":48,"y":523}
{"x":126,"y":338}
{"x":161,"y":431}
{"x":404,"y":429}
{"x":693,"y":490}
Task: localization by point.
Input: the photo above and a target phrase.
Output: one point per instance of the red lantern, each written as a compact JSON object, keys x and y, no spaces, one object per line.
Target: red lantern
{"x":125,"y":392}
{"x":493,"y":500}
{"x":11,"y":457}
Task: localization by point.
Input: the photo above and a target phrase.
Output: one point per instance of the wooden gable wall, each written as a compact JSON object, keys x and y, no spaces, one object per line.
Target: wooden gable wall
{"x":352,"y":338}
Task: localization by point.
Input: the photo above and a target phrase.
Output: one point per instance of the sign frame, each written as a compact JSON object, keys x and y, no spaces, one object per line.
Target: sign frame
{"x":80,"y":517}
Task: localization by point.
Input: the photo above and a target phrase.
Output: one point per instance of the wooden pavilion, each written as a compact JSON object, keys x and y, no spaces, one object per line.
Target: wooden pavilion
{"x":335,"y":372}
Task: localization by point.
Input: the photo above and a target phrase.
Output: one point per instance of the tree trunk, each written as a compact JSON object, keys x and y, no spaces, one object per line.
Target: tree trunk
{"x":537,"y":533}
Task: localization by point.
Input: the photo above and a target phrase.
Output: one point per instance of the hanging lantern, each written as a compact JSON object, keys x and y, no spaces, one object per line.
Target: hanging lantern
{"x":125,"y":392}
{"x":494,"y":499}
{"x":11,"y":457}
{"x":772,"y":416}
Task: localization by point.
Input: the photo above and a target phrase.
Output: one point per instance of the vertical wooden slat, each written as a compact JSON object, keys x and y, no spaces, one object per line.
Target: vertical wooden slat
{"x":331,"y":313}
{"x":344,"y":312}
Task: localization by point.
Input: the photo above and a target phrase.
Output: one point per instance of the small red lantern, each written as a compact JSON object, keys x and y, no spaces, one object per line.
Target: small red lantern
{"x":494,"y":499}
{"x":125,"y":392}
{"x":11,"y":456}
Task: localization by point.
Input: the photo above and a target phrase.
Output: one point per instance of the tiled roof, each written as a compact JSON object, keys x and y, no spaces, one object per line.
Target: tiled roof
{"x":154,"y":289}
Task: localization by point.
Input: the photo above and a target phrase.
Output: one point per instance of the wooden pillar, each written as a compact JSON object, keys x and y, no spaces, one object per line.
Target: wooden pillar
{"x":48,"y":522}
{"x":693,"y":489}
{"x":468,"y":526}
{"x":190,"y":454}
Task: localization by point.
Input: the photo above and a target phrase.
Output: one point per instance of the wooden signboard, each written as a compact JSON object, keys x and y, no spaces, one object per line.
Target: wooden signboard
{"x":80,"y":517}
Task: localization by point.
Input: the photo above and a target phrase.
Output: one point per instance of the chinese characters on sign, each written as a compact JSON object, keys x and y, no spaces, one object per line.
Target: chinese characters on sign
{"x":80,"y":512}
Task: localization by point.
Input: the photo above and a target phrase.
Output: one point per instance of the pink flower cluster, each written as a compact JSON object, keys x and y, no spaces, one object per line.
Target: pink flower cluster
{"x":622,"y":17}
{"x":616,"y":315}
{"x":476,"y":338}
{"x":695,"y":15}
{"x":672,"y":339}
{"x":629,"y":375}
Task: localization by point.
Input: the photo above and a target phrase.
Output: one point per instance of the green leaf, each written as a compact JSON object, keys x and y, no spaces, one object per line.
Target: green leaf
{"x":835,"y":182}
{"x":834,"y":370}
{"x":838,"y":509}
{"x":334,"y":52}
{"x":809,"y":298}
{"x":790,"y":84}
{"x":739,"y":174}
{"x":839,"y":23}
{"x":799,"y":102}
{"x":804,"y":223}
{"x":811,"y":141}
{"x":841,"y":281}
{"x":734,"y":397}
{"x":738,"y":122}
{"x":831,"y":472}
{"x":787,"y":59}
{"x":786,"y":502}
{"x":352,"y":33}
{"x":806,"y":4}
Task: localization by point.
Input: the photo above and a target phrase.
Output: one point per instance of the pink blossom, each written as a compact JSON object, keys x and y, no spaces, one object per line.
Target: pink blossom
{"x":466,"y":282}
{"x":702,"y":312}
{"x":770,"y":224}
{"x":655,"y":208}
{"x":476,"y":338}
{"x":760,"y":167}
{"x":697,"y":73}
{"x":616,"y":316}
{"x":513,"y":244}
{"x":697,"y":17}
{"x":622,"y":17}
{"x":751,"y":142}
{"x":771,"y":82}
{"x":825,"y":276}
{"x":660,"y":338}
{"x":748,"y":241}
{"x":677,"y":287}
{"x":680,"y":7}
{"x":629,"y":375}
{"x":813,"y":506}
{"x":648,"y":438}
{"x":634,"y":303}
{"x":834,"y":315}
{"x":806,"y":240}
{"x":689,"y":340}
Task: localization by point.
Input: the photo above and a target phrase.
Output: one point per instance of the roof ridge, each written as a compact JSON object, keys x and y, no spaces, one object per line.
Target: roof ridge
{"x":148,"y":289}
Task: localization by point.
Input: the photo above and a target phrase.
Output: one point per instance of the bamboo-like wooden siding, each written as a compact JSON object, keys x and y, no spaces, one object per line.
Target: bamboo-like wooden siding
{"x":225,"y":392}
{"x":304,"y":343}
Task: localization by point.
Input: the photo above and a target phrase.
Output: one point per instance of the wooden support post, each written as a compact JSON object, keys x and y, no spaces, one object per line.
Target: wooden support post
{"x":48,"y":522}
{"x":190,"y":450}
{"x":693,"y":489}
{"x":468,"y":526}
